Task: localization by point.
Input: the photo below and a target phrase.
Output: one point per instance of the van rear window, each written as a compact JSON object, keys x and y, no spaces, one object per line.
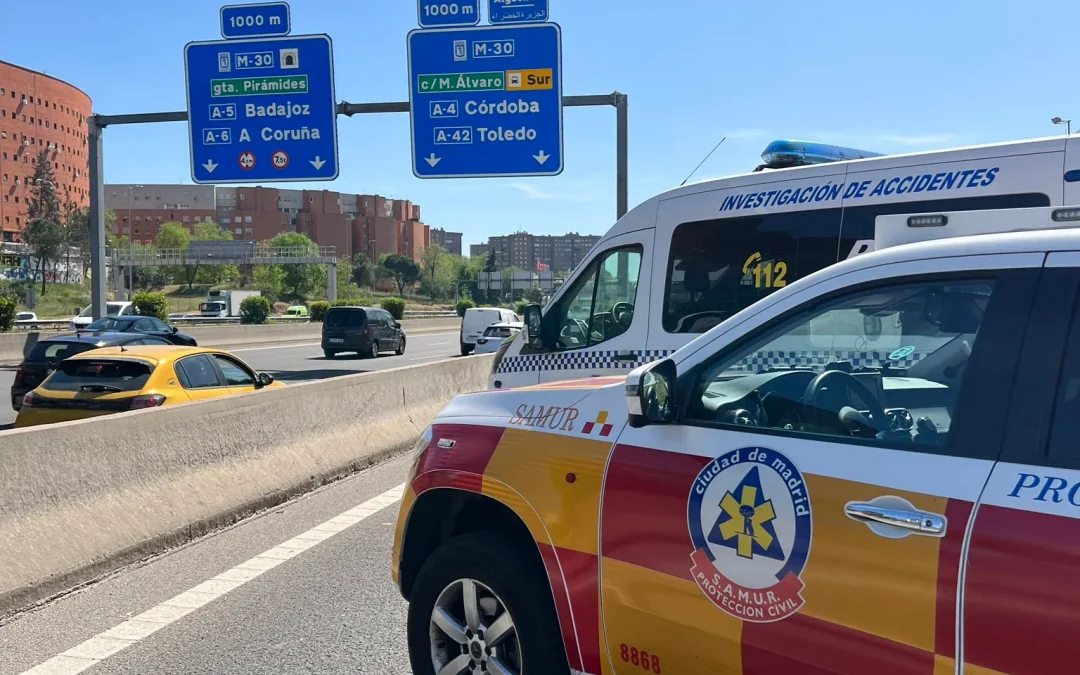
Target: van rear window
{"x":100,"y":375}
{"x":346,"y":318}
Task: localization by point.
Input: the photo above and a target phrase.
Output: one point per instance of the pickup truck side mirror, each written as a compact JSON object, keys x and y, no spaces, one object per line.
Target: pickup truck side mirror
{"x":650,"y":394}
{"x":534,"y":327}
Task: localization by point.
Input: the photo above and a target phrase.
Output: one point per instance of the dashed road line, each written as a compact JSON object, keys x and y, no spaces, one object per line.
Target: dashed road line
{"x":118,"y":638}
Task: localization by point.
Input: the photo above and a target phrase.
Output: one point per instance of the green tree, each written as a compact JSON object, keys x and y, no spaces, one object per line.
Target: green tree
{"x":270,"y":279}
{"x":300,"y":281}
{"x":44,"y":229}
{"x":491,"y":264}
{"x":255,"y":310}
{"x":151,"y":304}
{"x":403,"y":270}
{"x":174,"y":236}
{"x":429,"y":264}
{"x":363,"y":271}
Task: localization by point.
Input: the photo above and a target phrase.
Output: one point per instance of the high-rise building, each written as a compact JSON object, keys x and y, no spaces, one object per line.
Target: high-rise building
{"x":352,"y":224}
{"x":529,"y":252}
{"x":40,"y":113}
{"x":451,"y":241}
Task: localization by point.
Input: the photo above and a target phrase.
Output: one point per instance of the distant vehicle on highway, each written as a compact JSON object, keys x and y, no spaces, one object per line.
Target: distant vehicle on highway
{"x":296,"y":312}
{"x":86,"y":317}
{"x":146,"y":325}
{"x":46,"y":354}
{"x":364,"y":330}
{"x":224,"y":304}
{"x":25,"y":316}
{"x":476,"y":321}
{"x":494,"y":336}
{"x":118,"y":379}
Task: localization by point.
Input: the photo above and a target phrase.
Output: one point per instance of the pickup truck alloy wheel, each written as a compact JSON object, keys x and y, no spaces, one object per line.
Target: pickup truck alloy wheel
{"x":473,"y":632}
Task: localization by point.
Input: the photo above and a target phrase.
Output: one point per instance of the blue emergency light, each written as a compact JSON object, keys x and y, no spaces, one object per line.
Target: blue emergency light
{"x":783,"y":154}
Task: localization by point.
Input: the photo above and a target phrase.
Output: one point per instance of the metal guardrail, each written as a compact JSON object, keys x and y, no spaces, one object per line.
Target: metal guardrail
{"x":63,"y":324}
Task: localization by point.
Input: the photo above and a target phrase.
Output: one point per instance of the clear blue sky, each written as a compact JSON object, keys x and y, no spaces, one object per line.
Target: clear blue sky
{"x":890,"y":77}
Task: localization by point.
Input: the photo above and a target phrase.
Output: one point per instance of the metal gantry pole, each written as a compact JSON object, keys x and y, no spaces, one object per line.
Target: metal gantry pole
{"x":97,"y":123}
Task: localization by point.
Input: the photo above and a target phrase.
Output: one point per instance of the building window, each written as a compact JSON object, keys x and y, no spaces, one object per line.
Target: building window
{"x":247,"y":230}
{"x":247,"y":219}
{"x":187,"y":218}
{"x":239,"y":219}
{"x":237,"y":231}
{"x":241,"y":196}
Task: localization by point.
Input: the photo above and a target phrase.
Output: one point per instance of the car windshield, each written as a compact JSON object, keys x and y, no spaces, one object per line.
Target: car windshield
{"x":57,"y":351}
{"x":346,"y":318}
{"x":109,"y":323}
{"x":100,"y":376}
{"x":111,"y":308}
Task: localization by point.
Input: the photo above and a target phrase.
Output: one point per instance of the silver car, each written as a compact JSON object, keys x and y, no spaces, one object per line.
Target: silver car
{"x":494,"y":335}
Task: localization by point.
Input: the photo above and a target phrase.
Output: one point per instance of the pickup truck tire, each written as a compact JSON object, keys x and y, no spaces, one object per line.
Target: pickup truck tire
{"x":506,"y":582}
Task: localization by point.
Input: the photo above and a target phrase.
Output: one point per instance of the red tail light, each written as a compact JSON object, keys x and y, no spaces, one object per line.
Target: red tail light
{"x":149,"y":401}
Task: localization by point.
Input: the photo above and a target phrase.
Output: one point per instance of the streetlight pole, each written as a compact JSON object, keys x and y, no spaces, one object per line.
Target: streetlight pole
{"x":131,"y":243}
{"x":1067,"y":123}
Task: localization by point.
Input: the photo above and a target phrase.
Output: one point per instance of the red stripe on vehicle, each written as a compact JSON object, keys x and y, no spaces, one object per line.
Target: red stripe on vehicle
{"x":1021,"y":594}
{"x":562,"y":604}
{"x":472,"y":450}
{"x":445,"y":478}
{"x":802,"y":644}
{"x":957,"y":513}
{"x":582,"y":574}
{"x":644,"y":511}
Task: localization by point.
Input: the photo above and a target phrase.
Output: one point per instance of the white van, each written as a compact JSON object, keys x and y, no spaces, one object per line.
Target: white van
{"x":86,"y":317}
{"x":685,"y":260}
{"x":476,"y":321}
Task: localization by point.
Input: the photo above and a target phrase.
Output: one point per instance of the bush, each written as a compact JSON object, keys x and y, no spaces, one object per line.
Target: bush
{"x":463,"y":305}
{"x":318,"y":311}
{"x":396,"y":307}
{"x":7,"y":314}
{"x":520,"y":308}
{"x":255,"y":310}
{"x":151,"y":304}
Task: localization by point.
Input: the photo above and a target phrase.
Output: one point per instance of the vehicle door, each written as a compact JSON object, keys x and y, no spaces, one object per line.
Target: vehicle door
{"x":1021,"y":596}
{"x":239,"y":378}
{"x":805,"y":511}
{"x":389,"y":330}
{"x":159,"y":328}
{"x":600,"y":324}
{"x":143,"y":326}
{"x":200,"y":378}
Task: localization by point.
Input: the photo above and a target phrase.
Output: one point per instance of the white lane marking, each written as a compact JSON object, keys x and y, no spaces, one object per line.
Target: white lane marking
{"x":120,"y":637}
{"x":440,"y":344}
{"x":426,"y":358}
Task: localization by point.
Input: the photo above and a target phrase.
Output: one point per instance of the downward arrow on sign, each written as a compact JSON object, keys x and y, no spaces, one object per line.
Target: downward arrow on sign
{"x":541,"y":158}
{"x":210,"y":166}
{"x":317,"y":163}
{"x":433,"y":160}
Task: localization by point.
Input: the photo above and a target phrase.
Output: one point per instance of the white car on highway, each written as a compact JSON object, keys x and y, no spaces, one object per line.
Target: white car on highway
{"x":86,"y":317}
{"x":495,"y":335}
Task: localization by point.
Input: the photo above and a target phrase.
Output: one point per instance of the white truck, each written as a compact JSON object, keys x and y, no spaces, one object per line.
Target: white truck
{"x":224,"y":304}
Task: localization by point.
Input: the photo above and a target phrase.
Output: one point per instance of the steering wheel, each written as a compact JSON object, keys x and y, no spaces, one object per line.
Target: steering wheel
{"x":572,"y":326}
{"x":621,"y":311}
{"x":836,"y":381}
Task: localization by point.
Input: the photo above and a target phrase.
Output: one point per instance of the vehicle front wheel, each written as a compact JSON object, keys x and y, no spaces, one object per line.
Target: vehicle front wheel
{"x":481,"y":606}
{"x":401,"y":347}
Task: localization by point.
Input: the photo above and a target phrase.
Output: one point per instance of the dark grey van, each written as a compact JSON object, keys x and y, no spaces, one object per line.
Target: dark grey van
{"x":364,"y":330}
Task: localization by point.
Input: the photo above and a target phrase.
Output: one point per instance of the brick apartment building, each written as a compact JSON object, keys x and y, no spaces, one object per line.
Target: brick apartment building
{"x":528,"y":251}
{"x":353,"y":224}
{"x":451,"y":241}
{"x":39,"y":112}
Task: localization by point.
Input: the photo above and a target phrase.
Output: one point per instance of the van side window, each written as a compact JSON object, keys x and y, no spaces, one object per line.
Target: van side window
{"x":601,"y":304}
{"x":719,"y":267}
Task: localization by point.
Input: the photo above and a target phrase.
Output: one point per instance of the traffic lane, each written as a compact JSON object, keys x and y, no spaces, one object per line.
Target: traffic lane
{"x":305,"y":362}
{"x":331,"y":608}
{"x":7,"y":413}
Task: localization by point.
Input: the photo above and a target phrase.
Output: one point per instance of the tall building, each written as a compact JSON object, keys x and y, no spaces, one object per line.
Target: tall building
{"x":529,"y":252}
{"x":451,"y":241}
{"x":39,"y":112}
{"x":368,"y":224}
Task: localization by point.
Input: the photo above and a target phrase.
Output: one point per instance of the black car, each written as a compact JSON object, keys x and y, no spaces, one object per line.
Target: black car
{"x":147,"y":325}
{"x":46,"y":354}
{"x":364,"y":330}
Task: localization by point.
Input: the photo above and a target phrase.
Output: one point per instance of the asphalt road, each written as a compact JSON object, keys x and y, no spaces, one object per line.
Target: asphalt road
{"x":303,"y":362}
{"x":330,"y":607}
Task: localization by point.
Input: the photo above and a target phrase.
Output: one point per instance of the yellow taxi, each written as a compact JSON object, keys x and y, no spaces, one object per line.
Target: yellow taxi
{"x":118,"y":379}
{"x":872,"y":471}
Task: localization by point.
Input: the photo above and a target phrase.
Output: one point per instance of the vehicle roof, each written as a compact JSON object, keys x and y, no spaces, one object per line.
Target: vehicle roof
{"x":156,"y":353}
{"x":646,"y":211}
{"x":352,"y":307}
{"x":508,"y":324}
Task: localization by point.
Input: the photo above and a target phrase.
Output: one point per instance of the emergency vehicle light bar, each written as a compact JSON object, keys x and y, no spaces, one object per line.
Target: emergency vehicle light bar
{"x":897,"y":230}
{"x":784,"y":154}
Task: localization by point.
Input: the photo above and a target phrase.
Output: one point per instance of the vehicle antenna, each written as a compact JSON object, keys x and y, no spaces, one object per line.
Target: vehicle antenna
{"x":703,"y":161}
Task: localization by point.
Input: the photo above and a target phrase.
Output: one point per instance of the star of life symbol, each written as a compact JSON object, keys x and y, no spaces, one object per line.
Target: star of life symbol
{"x":750,"y":523}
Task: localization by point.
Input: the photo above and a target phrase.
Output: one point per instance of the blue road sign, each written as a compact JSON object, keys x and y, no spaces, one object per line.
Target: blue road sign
{"x":486,"y":101}
{"x":518,"y":11}
{"x":269,"y":19}
{"x":262,"y":110}
{"x":444,"y":13}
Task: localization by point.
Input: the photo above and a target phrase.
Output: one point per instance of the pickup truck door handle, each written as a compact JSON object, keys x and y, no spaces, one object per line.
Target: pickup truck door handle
{"x":896,"y":513}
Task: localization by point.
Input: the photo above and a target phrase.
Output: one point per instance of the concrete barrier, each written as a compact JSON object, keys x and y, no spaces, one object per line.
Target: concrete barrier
{"x":80,"y":499}
{"x":13,"y":346}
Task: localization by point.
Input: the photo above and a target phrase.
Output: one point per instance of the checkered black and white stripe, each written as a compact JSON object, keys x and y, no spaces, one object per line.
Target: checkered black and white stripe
{"x":605,"y":360}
